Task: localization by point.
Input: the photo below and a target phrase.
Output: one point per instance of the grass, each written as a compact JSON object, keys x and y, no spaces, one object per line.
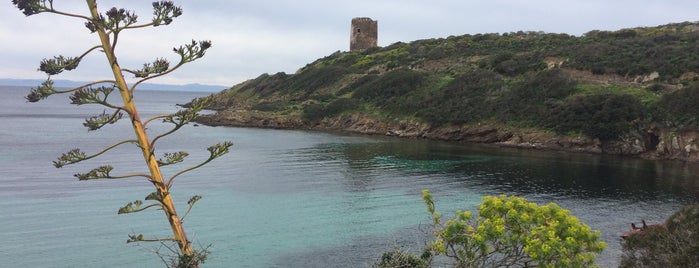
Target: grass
{"x":642,"y":94}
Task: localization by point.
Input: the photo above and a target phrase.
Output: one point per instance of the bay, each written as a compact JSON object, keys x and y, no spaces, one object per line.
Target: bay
{"x":285,"y":198}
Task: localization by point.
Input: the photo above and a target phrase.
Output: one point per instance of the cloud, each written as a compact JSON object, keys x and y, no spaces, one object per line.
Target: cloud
{"x":254,"y":37}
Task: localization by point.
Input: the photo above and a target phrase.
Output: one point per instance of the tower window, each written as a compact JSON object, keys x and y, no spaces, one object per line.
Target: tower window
{"x":359,"y":30}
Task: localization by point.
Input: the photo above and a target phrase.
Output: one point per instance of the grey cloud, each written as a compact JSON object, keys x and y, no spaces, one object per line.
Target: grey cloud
{"x":252,"y":37}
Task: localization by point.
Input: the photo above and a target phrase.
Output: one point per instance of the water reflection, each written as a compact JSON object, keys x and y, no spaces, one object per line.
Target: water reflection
{"x":606,"y":192}
{"x":519,"y":171}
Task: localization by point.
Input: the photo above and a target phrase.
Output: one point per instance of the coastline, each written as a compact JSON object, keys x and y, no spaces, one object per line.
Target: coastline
{"x":654,"y":144}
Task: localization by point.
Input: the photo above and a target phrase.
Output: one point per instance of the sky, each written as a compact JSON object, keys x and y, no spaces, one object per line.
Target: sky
{"x":262,"y":36}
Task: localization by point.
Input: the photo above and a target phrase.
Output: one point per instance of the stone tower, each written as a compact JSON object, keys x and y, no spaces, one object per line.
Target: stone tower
{"x":364,"y":34}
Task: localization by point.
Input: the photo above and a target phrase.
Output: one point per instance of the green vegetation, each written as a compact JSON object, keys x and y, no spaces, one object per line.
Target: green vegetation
{"x":108,"y":26}
{"x":401,"y":258}
{"x":507,"y":232}
{"x":675,"y":244}
{"x":604,"y":116}
{"x":602,"y":84}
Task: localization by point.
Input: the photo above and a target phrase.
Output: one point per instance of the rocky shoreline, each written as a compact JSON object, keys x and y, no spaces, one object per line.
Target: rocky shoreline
{"x":654,"y":143}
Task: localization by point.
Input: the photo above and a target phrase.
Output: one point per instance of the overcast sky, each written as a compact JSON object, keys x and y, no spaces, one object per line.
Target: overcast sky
{"x":260,"y":36}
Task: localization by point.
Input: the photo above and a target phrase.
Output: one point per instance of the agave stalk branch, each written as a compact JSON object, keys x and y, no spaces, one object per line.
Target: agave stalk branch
{"x":215,"y":152}
{"x":75,"y":155}
{"x":147,"y":150}
{"x":133,"y":87}
{"x":165,"y":134}
{"x":80,"y":87}
{"x":155,"y":118}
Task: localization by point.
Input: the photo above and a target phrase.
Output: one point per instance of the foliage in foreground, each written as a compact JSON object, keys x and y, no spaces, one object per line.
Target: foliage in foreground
{"x":675,"y":244}
{"x":511,"y":232}
{"x":108,"y":26}
{"x":401,"y":258}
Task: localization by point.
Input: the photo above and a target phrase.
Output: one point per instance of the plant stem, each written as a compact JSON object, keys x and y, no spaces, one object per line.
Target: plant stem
{"x":143,"y":141}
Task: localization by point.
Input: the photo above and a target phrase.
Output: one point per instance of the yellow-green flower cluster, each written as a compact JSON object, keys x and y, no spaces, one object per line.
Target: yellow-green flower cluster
{"x":511,"y":231}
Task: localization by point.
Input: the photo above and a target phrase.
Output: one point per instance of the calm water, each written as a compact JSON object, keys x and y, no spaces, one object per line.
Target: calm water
{"x":289,"y":198}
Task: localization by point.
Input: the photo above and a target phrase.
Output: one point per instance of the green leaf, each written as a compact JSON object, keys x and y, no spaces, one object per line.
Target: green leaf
{"x":158,"y":66}
{"x":219,"y":149}
{"x":172,"y":158}
{"x":136,"y":206}
{"x":101,"y":172}
{"x":164,"y":12}
{"x":31,"y":7}
{"x":153,"y":196}
{"x":193,"y":51}
{"x":71,"y":157}
{"x":90,"y":95}
{"x":41,"y":92}
{"x":193,"y":200}
{"x":58,"y":64}
{"x":98,"y":121}
{"x":135,"y":238}
{"x":130,"y":207}
{"x":182,"y":117}
{"x":119,"y":18}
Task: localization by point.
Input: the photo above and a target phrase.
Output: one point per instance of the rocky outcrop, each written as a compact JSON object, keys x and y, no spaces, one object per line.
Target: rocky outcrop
{"x":655,"y":143}
{"x":682,"y":145}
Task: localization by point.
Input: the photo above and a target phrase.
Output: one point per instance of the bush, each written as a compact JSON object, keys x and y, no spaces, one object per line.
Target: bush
{"x":267,"y":106}
{"x":606,"y":116}
{"x":526,"y":101}
{"x":317,"y":111}
{"x":674,"y":245}
{"x":680,"y":108}
{"x":340,"y":105}
{"x":401,"y":259}
{"x":391,"y":85}
{"x":265,"y":84}
{"x":315,"y":78}
{"x":465,"y":99}
{"x":511,"y":64}
{"x":357,"y":84}
{"x":511,"y":232}
{"x":314,"y":111}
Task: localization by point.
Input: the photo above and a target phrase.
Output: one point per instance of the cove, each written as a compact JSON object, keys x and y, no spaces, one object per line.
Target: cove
{"x":285,"y":198}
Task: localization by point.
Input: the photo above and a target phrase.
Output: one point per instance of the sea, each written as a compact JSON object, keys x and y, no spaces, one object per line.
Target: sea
{"x":287,"y":198}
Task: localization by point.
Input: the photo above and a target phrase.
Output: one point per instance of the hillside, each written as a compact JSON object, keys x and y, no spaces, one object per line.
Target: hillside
{"x":631,"y":91}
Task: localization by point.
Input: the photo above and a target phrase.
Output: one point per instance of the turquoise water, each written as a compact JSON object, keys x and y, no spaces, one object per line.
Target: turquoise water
{"x":289,"y":198}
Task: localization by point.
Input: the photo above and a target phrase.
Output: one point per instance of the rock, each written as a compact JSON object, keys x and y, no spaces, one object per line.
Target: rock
{"x":646,"y":78}
{"x":655,"y":143}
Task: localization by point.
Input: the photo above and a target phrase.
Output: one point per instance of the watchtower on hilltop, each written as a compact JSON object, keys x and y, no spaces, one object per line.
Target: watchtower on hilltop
{"x":364,"y":34}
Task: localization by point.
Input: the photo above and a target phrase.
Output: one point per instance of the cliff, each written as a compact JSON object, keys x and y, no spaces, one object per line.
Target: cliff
{"x":629,"y":92}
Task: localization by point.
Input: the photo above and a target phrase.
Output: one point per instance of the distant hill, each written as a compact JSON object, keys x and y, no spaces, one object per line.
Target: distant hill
{"x":631,"y":91}
{"x":145,"y":86}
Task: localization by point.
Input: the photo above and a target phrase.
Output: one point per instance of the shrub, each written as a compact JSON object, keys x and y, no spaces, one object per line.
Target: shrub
{"x":314,"y":78}
{"x":674,"y":245}
{"x":464,"y":99}
{"x":680,"y":107}
{"x":314,"y":111}
{"x":391,"y":85}
{"x":399,"y":258}
{"x":265,"y":84}
{"x":509,"y":231}
{"x":511,"y":64}
{"x":357,"y":84}
{"x":340,"y":105}
{"x":526,"y":101}
{"x":606,"y":116}
{"x":268,"y":106}
{"x":318,"y":111}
